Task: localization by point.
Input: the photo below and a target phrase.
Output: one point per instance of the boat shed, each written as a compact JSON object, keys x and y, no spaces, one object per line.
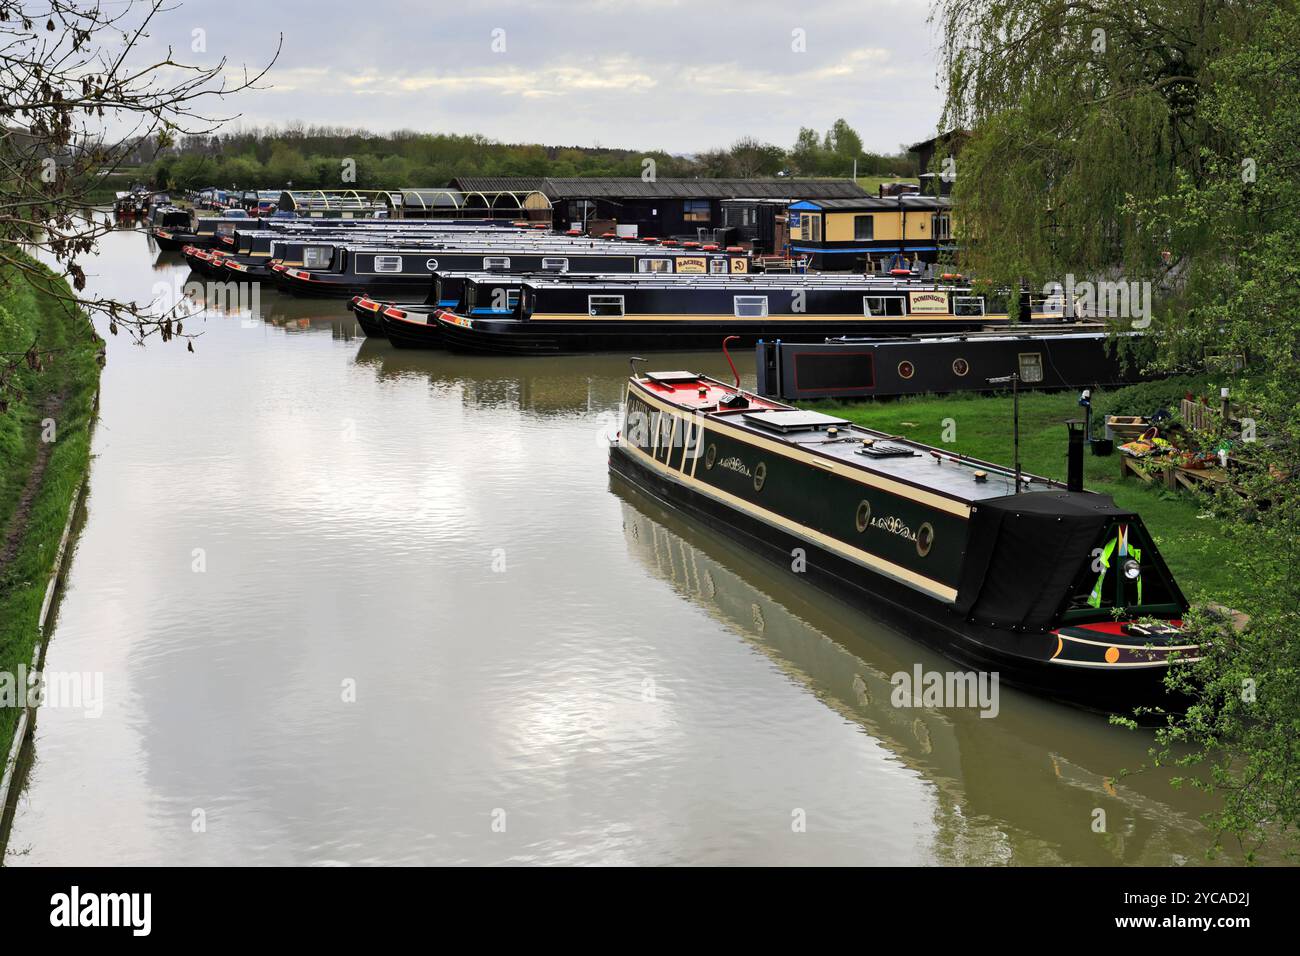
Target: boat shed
{"x":331,"y":204}
{"x":872,"y":233}
{"x":476,"y":197}
{"x":688,"y":209}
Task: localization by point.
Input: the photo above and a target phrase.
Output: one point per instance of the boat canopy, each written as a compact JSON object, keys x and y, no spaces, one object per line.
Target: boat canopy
{"x":1030,"y":552}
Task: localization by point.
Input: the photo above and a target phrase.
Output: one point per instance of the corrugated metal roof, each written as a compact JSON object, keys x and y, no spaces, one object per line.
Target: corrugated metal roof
{"x":876,"y":202}
{"x":636,"y":188}
{"x":497,"y":184}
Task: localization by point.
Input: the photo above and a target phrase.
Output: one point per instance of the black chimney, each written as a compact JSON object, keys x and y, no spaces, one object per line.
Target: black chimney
{"x":1074,"y":458}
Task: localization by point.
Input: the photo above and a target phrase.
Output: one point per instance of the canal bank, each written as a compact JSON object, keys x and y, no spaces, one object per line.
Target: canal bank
{"x":49,"y":377}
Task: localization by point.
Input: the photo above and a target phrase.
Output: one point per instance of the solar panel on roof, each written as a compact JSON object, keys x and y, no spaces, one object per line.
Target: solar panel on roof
{"x":668,"y":378}
{"x":793,"y":421}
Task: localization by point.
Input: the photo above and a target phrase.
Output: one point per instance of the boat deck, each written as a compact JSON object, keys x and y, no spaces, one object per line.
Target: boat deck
{"x":891,"y":456}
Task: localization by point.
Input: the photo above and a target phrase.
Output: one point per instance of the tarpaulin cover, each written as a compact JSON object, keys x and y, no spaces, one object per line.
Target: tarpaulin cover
{"x":1026,"y":552}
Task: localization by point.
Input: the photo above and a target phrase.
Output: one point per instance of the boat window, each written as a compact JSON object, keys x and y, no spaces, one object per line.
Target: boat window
{"x":717,"y":266}
{"x":503,"y":300}
{"x":696,"y":210}
{"x":924,"y":539}
{"x":968,"y":305}
{"x":555,"y":264}
{"x":496,"y":262}
{"x":1031,"y":366}
{"x":655,"y":265}
{"x":877,"y":305}
{"x":636,"y":425}
{"x":864,"y":227}
{"x":863,"y":516}
{"x":605,"y":305}
{"x":812,"y":230}
{"x":316,"y":257}
{"x":388,"y":263}
{"x":941,"y":227}
{"x":668,"y":436}
{"x":750,"y":306}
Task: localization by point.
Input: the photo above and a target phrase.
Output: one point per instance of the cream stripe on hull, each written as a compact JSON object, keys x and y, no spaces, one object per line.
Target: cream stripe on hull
{"x":896,"y":572}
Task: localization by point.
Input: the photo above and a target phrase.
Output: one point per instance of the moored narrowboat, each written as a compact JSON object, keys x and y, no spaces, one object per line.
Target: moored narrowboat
{"x":1051,"y":587}
{"x":405,"y":272}
{"x":613,"y":313}
{"x":1052,"y":356}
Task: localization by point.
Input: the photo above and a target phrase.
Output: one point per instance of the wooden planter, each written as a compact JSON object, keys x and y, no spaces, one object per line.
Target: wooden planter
{"x":1125,"y":428}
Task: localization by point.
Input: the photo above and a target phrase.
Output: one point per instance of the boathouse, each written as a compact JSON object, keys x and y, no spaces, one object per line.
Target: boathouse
{"x":872,"y":234}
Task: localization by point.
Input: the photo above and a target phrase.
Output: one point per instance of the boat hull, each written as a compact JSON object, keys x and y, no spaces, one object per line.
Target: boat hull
{"x":408,"y":334}
{"x":1023,"y":660}
{"x":556,"y":337}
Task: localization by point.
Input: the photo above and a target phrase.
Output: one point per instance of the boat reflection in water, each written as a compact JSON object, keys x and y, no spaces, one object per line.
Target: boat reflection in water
{"x":557,"y":385}
{"x":1025,"y":787}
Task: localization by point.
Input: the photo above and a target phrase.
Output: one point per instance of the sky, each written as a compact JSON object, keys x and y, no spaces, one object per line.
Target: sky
{"x":679,"y":75}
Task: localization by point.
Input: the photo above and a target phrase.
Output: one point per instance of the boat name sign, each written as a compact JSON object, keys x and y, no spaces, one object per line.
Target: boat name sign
{"x":735,"y":464}
{"x":894,"y":525}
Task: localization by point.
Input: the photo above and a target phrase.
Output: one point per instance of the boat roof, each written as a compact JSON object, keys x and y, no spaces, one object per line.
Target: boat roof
{"x":757,"y":281}
{"x":891,"y":456}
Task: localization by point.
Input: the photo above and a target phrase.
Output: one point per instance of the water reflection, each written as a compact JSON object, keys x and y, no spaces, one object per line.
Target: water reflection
{"x":1023,"y":787}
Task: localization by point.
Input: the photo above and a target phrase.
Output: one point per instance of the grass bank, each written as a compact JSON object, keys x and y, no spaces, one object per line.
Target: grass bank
{"x":37,"y":477}
{"x":1199,"y":556}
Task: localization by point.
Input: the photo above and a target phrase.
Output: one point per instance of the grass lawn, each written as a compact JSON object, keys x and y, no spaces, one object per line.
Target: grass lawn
{"x":32,"y":517}
{"x":872,"y":183}
{"x":1200,"y":559}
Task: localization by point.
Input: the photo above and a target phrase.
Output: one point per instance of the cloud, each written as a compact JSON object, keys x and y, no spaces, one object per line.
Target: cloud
{"x":641,"y":74}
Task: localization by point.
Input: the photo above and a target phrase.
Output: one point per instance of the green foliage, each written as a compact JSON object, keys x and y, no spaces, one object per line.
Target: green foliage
{"x":312,"y":158}
{"x":1159,"y":143}
{"x":833,"y":155}
{"x":1146,"y":398}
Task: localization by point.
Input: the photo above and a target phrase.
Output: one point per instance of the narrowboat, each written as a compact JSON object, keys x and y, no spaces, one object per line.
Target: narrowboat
{"x":472,"y":294}
{"x":171,"y":228}
{"x":612,"y":313}
{"x":405,"y":273}
{"x":313,"y":246}
{"x":1049,"y":357}
{"x":1056,"y":589}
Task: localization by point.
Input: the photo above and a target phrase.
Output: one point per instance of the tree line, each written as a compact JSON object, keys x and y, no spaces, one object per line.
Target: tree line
{"x":323,"y":157}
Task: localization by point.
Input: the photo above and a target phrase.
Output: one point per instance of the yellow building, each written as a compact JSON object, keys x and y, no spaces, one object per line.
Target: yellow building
{"x":853,"y":234}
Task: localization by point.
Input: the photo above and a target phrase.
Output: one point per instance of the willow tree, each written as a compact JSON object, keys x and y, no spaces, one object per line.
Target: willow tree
{"x":1160,"y":141}
{"x":1073,"y":108}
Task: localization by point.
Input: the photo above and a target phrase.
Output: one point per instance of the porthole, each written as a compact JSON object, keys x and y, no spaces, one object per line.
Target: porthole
{"x":863,"y":518}
{"x":760,"y":476}
{"x":960,"y":366}
{"x":906,"y":369}
{"x":924,"y":539}
{"x":710,"y":456}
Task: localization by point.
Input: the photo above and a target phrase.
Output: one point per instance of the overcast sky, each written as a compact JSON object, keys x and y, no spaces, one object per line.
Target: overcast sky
{"x":682,"y":75}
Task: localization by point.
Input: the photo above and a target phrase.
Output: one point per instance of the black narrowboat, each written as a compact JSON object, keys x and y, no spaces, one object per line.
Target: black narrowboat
{"x":404,"y":273}
{"x":1051,"y":587}
{"x":613,"y":313}
{"x":1050,"y":357}
{"x":472,"y":294}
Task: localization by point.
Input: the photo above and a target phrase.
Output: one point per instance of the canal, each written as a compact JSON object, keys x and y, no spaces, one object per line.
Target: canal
{"x":353,"y":605}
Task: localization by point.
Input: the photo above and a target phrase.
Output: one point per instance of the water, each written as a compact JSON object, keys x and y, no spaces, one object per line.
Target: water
{"x":547,"y":667}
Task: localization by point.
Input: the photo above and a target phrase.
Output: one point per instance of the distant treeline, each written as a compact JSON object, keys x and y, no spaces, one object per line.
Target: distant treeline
{"x":323,"y":157}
